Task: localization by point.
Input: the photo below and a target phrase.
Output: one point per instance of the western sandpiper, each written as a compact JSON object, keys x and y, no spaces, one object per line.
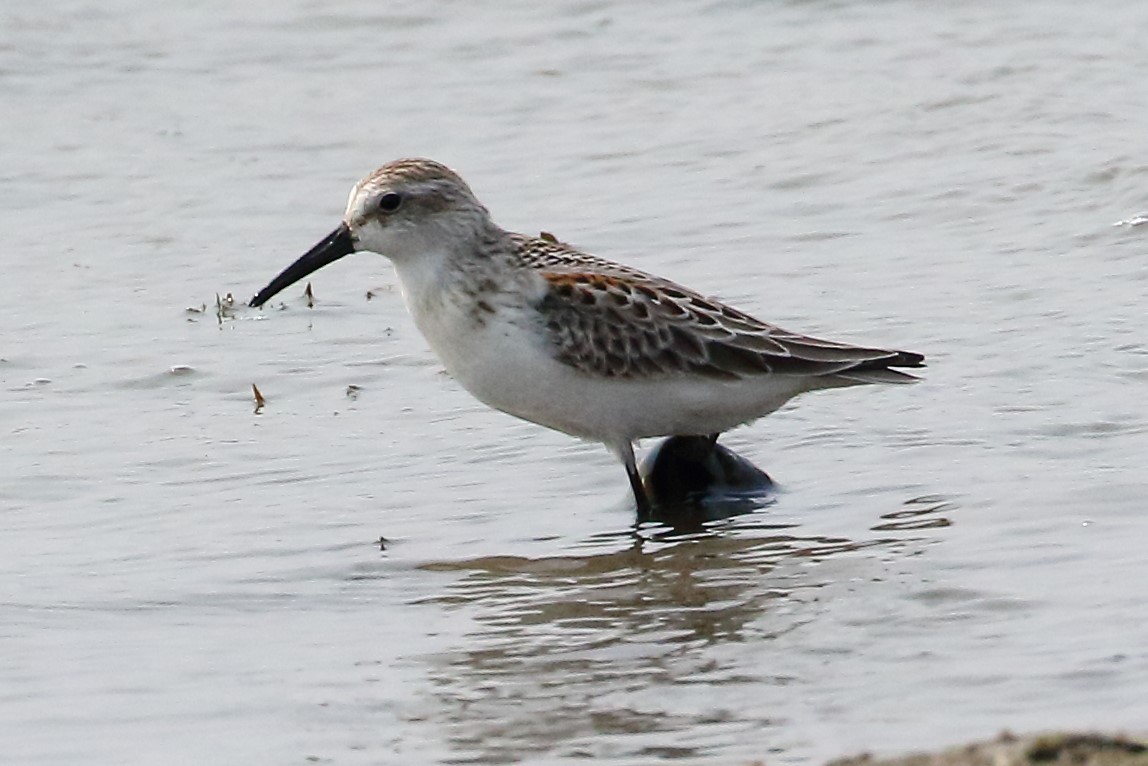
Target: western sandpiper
{"x":543,"y":331}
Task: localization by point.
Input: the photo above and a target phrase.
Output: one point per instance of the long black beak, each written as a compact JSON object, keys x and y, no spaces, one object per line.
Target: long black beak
{"x":331,"y":248}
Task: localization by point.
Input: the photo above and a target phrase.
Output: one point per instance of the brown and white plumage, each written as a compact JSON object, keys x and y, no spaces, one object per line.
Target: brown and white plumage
{"x":536,"y":328}
{"x":611,"y":320}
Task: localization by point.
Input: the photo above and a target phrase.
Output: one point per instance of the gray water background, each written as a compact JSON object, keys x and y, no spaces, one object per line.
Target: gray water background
{"x":185,"y":581}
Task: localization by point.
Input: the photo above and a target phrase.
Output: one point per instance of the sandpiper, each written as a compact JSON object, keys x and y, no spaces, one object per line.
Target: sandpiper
{"x":543,"y":331}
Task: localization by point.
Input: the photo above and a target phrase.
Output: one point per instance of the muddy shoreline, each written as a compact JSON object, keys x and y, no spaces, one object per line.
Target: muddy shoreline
{"x":1007,"y":749}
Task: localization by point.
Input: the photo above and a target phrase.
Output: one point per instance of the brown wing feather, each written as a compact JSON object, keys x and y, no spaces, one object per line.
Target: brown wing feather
{"x":619,"y":322}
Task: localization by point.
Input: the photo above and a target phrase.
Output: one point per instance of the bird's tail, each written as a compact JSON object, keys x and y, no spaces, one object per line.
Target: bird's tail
{"x":881,"y":370}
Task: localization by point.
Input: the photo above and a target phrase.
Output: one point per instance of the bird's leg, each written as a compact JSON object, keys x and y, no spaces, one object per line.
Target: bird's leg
{"x":640,"y":497}
{"x":625,"y":451}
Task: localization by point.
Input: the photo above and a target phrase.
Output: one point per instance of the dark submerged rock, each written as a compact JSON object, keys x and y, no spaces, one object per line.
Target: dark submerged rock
{"x":694,"y":479}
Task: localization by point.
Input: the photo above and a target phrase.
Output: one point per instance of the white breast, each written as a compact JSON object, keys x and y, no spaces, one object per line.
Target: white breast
{"x":502,"y":357}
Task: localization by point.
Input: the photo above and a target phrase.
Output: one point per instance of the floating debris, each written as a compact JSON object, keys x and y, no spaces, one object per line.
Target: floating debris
{"x":181,"y":369}
{"x":353,"y":391}
{"x":259,"y":400}
{"x":200,"y":309}
{"x":224,"y":307}
{"x":310,"y":296}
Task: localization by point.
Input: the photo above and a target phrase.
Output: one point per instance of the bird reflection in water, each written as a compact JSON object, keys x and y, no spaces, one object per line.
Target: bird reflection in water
{"x":655,"y":640}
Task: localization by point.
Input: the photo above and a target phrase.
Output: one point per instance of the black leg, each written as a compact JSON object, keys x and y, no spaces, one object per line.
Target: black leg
{"x":639,"y":490}
{"x":626,"y":452}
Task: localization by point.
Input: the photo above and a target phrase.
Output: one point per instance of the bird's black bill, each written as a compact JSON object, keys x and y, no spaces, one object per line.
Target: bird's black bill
{"x":331,"y":248}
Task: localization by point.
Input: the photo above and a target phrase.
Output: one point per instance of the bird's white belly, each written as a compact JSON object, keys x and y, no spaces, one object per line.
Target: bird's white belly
{"x":504,"y":362}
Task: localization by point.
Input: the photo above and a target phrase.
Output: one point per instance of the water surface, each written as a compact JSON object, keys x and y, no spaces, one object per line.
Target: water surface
{"x":184,"y":579}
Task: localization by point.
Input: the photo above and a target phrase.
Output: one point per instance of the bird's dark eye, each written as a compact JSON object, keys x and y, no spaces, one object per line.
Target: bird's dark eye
{"x":390,"y":202}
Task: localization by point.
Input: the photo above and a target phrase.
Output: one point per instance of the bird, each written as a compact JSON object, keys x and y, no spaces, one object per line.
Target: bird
{"x":544,"y":331}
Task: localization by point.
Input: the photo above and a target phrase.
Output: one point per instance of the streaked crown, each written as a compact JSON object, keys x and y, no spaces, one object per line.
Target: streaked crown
{"x":419,"y":183}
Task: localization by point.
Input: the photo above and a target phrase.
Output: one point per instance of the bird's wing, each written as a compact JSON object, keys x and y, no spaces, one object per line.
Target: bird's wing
{"x":607,"y":319}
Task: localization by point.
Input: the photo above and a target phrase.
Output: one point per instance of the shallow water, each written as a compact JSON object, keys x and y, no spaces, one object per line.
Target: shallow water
{"x":182,"y":579}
